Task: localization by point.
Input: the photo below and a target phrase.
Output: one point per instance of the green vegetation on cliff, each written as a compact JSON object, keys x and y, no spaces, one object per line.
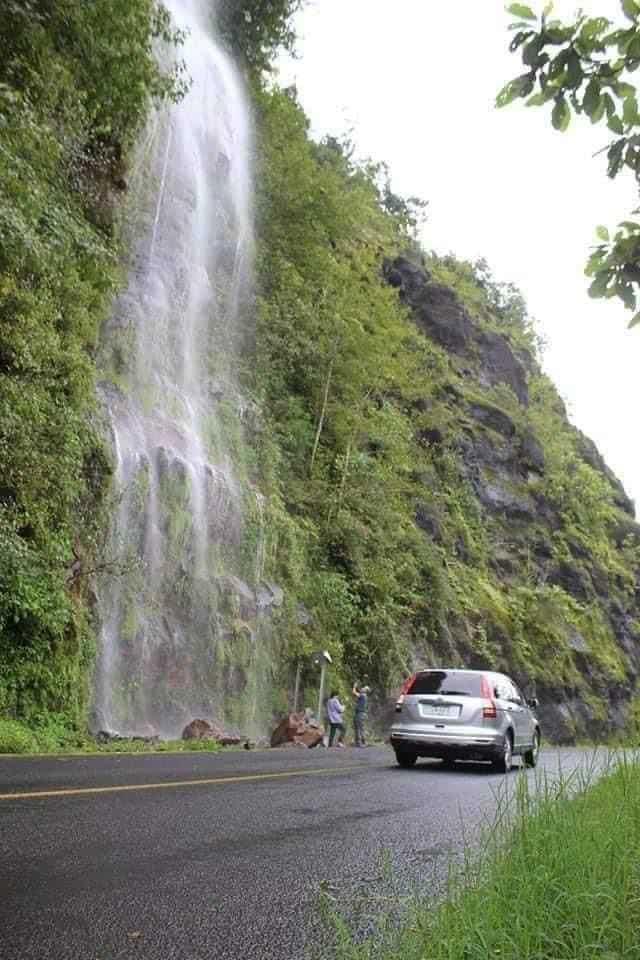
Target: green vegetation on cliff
{"x":338,"y":367}
{"x":75,"y":81}
{"x":429,"y":499}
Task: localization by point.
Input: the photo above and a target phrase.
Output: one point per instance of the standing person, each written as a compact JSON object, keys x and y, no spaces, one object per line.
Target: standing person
{"x":335,"y":713}
{"x":361,"y":696}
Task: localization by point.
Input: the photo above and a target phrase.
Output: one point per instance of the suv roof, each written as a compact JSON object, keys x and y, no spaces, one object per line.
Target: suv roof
{"x":453,"y":670}
{"x":438,"y":681}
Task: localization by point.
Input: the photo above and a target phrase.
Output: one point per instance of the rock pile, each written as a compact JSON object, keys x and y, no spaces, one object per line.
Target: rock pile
{"x":204,"y":730}
{"x":297,"y":730}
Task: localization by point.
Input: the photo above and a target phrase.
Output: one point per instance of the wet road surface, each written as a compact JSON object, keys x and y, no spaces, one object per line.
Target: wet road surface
{"x":208,"y":856}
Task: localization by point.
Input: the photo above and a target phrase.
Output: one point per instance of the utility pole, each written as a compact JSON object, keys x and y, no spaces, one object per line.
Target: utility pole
{"x":296,"y":689}
{"x":323,"y":670}
{"x":321,"y":659}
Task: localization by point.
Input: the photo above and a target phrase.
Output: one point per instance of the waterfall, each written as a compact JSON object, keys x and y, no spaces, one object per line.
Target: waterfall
{"x":178,"y":624}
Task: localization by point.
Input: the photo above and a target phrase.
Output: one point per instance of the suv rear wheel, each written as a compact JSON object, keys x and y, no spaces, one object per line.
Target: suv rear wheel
{"x":405,"y":758}
{"x":531,"y":756}
{"x":504,"y":760}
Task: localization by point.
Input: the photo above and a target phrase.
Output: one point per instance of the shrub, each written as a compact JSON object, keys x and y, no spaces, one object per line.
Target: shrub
{"x":16,"y":738}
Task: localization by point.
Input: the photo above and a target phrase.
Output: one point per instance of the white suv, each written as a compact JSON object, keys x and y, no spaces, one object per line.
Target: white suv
{"x":465,"y":715}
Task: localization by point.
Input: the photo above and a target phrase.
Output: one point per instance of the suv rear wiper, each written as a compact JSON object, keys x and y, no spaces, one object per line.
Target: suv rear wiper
{"x":454,"y":693}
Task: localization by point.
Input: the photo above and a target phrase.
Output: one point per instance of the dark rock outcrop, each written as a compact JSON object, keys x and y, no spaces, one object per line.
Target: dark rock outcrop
{"x":436,"y":309}
{"x":531,"y":454}
{"x":494,"y":418}
{"x":498,"y":498}
{"x":439,"y":313}
{"x":428,"y":521}
{"x":431,"y":436}
{"x":573,"y":581}
{"x":499,"y":364}
{"x":526,"y":519}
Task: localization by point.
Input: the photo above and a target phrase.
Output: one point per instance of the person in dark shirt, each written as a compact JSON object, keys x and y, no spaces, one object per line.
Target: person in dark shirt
{"x":361,"y":697}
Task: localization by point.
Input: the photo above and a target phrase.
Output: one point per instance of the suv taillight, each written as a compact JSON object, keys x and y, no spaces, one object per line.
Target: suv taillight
{"x":489,"y":711}
{"x":406,"y":686}
{"x":399,"y":703}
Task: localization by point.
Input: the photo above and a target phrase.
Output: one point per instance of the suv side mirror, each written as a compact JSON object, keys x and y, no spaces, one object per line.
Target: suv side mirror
{"x":533,"y":703}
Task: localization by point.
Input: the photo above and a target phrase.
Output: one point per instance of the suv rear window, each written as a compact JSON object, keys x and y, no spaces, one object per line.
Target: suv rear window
{"x":446,"y":682}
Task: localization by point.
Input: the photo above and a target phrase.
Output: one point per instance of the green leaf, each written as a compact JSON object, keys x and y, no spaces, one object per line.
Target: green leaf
{"x":626,"y":294}
{"x":558,"y":34}
{"x":630,"y":9}
{"x":599,"y":285}
{"x":624,"y":39}
{"x":595,"y":262}
{"x":609,"y":105}
{"x":592,"y":98}
{"x":548,"y":9}
{"x":633,"y":322}
{"x":598,"y":113}
{"x":574,"y":69}
{"x":591,"y":28}
{"x":603,"y":234}
{"x":625,"y":89}
{"x":630,"y":110}
{"x":531,"y":51}
{"x":521,"y":37}
{"x":538,"y":99}
{"x":615,"y":154}
{"x":561,"y":115}
{"x":630,"y":225}
{"x":615,"y":124}
{"x":521,"y":11}
{"x":520,"y":87}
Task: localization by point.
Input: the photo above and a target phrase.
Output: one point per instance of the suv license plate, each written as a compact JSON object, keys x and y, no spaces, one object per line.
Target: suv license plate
{"x":440,"y":710}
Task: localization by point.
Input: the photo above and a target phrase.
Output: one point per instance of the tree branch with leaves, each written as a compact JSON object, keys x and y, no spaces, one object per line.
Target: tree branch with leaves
{"x":583,"y":67}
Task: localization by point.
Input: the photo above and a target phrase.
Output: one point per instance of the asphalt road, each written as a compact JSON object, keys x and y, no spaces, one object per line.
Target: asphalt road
{"x":128,"y":857}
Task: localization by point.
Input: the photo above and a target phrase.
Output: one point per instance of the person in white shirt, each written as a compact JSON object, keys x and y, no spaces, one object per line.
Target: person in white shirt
{"x":335,"y":713}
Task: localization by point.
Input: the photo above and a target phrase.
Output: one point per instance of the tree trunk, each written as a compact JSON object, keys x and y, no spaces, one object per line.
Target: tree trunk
{"x":323,"y":413}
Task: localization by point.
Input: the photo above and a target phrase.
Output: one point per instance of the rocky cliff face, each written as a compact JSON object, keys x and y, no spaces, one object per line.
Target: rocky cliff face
{"x":562,"y":585}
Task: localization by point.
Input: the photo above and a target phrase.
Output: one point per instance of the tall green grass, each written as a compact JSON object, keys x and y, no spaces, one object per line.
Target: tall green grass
{"x":557,"y":878}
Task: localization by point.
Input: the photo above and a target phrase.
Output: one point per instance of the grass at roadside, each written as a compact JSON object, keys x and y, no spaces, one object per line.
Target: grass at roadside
{"x":54,"y":737}
{"x":559,"y":879}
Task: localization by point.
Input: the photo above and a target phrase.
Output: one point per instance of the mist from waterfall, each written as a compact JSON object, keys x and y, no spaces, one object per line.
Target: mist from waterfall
{"x":166,"y":651}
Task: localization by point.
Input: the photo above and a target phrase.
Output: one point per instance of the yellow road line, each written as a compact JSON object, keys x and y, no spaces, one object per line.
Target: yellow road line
{"x":211,"y":781}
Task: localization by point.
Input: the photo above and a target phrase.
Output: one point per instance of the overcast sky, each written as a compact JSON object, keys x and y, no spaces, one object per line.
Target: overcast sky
{"x":414,"y":82}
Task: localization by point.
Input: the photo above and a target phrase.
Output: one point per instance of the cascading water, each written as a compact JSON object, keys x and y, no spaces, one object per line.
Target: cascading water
{"x":179,"y":636}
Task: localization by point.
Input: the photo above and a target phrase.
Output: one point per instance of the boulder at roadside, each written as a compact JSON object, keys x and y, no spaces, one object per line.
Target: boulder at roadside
{"x":201,"y":730}
{"x":296,"y":729}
